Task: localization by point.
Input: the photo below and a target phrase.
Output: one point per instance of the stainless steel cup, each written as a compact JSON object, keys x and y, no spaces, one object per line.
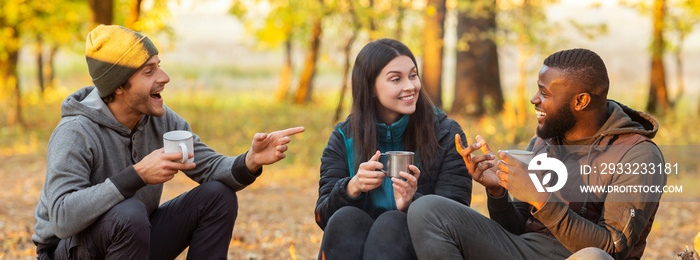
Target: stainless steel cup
{"x":397,"y":161}
{"x":521,"y":155}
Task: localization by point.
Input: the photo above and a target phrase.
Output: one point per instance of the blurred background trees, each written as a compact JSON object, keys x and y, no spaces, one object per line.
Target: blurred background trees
{"x":258,"y":65}
{"x":481,"y":29}
{"x":672,"y":20}
{"x":48,"y":26}
{"x":433,"y":49}
{"x":477,"y":79}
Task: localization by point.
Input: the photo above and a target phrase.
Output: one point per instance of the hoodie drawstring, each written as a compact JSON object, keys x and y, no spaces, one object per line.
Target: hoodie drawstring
{"x":588,"y":176}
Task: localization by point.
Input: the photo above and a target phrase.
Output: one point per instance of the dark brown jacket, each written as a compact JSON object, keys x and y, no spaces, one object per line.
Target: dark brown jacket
{"x":613,"y":221}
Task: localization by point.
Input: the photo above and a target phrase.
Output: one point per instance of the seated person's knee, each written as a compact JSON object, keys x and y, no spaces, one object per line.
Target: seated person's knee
{"x":130,"y":213}
{"x":392,"y":220}
{"x":216,"y":189}
{"x":427,"y":204}
{"x":590,"y":253}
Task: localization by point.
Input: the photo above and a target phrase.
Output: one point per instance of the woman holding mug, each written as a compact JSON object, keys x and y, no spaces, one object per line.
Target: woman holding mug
{"x":363,"y":212}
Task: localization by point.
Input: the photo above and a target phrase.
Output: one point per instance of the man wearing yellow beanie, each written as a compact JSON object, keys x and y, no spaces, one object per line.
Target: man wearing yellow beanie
{"x":111,"y":62}
{"x":106,"y":166}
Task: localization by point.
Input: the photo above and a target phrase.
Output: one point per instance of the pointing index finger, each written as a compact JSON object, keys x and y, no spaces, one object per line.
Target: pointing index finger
{"x":291,"y":131}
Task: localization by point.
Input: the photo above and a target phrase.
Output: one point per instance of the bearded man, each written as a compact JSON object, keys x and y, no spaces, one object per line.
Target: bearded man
{"x":578,"y":126}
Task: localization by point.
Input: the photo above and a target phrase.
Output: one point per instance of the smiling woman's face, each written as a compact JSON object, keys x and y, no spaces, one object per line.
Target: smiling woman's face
{"x":397,"y":88}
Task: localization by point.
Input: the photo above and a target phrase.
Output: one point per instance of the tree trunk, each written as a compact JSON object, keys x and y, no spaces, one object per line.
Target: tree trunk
{"x":102,"y":11}
{"x":491,"y":79}
{"x":372,"y":22}
{"x":468,"y":96}
{"x":525,"y":51}
{"x":286,"y":74}
{"x":307,"y":75}
{"x":13,"y":58}
{"x":433,"y":44}
{"x":346,"y":66}
{"x":399,"y":19}
{"x":50,"y":72}
{"x":346,"y":72}
{"x":679,"y":69}
{"x":657,"y":90}
{"x":477,"y":76}
{"x":40,"y":63}
{"x":134,"y":13}
{"x":9,"y":82}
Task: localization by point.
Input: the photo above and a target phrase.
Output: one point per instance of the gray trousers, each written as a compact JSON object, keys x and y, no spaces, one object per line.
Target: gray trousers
{"x":443,"y":229}
{"x":202,"y":219}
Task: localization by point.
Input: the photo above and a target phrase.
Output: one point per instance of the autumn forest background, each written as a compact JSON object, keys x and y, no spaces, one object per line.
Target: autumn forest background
{"x":238,"y":67}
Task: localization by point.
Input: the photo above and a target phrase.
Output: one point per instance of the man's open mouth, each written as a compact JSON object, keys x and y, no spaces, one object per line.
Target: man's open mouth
{"x":540,"y":114}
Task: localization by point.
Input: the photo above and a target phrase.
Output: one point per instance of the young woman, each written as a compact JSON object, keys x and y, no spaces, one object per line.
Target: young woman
{"x":361,"y":211}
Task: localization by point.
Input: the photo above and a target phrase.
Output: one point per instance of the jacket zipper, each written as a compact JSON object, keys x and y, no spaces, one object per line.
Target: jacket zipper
{"x":388,"y":132}
{"x":628,"y":222}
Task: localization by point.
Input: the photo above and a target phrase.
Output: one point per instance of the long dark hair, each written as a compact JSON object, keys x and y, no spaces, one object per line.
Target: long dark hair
{"x":420,"y":133}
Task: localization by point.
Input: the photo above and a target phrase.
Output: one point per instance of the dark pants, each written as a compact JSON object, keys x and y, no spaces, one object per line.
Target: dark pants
{"x":353,"y":234}
{"x":444,"y":229}
{"x":202,"y":219}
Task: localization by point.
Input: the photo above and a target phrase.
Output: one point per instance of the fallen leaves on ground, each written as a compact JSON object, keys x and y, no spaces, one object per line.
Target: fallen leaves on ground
{"x":275,"y":218}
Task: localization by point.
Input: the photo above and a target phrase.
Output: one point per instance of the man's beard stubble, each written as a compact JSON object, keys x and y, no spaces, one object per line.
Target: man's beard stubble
{"x":557,"y":124}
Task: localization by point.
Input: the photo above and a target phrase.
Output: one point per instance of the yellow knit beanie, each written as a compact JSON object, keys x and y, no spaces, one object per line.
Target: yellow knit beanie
{"x":113,"y":54}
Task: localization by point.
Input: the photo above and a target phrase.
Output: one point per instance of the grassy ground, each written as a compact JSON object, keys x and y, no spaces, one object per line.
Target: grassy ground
{"x":275,"y":220}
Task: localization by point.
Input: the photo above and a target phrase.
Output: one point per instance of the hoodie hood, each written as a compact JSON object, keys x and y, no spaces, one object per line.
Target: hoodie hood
{"x":87,"y":102}
{"x":625,"y":120}
{"x":622,"y":120}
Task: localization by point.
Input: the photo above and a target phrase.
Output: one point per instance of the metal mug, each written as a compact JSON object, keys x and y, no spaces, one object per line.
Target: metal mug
{"x":521,"y":155}
{"x":397,"y":161}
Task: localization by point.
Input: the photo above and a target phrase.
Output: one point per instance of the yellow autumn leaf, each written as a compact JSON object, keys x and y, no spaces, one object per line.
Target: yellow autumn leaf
{"x":431,"y":10}
{"x":293,"y":252}
{"x":697,"y":244}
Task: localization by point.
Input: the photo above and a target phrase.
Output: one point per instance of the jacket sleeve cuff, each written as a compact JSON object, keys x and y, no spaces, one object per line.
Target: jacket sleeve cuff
{"x":417,"y":195}
{"x":342,"y":186}
{"x":499,"y":203}
{"x":551,"y":212}
{"x":241,"y":173}
{"x":128,"y":182}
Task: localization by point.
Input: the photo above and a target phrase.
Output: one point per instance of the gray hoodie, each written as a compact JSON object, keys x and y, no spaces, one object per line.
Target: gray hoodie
{"x":90,"y":160}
